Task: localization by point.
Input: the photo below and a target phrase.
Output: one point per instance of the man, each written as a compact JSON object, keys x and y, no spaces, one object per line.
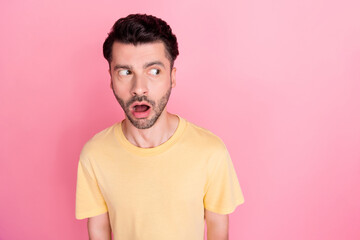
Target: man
{"x":153,"y":176}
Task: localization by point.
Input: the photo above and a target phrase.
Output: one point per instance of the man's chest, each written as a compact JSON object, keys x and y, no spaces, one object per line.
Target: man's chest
{"x":130,"y":184}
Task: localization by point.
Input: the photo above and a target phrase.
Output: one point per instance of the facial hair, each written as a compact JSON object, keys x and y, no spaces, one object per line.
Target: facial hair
{"x":157,"y":107}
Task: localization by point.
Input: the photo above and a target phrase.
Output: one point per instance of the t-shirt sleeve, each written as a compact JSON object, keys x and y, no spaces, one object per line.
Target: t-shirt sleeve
{"x":89,"y":200}
{"x":223,"y":193}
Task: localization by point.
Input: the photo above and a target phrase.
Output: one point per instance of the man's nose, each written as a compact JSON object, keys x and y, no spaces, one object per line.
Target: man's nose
{"x":139,"y":86}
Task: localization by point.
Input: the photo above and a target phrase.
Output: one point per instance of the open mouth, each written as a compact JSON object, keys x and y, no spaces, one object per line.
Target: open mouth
{"x":141,"y":108}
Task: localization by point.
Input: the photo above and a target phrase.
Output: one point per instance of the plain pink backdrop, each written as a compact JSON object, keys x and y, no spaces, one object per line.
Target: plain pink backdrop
{"x":278,"y":81}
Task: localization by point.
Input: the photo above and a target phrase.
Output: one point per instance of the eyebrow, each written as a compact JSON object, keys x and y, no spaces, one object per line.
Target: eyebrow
{"x":117,"y":66}
{"x":146,"y":65}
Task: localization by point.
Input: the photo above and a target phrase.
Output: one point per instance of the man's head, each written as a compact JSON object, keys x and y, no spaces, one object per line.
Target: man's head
{"x":141,"y":50}
{"x":139,"y":29}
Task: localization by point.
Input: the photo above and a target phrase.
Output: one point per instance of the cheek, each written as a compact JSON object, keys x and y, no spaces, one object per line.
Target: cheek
{"x":120,"y":87}
{"x":157,"y":94}
{"x":121,"y":95}
{"x":161,"y":87}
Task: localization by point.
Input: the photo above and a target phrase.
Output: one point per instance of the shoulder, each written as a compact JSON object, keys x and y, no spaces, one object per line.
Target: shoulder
{"x":203,"y":138}
{"x":205,"y":145}
{"x":100,"y":141}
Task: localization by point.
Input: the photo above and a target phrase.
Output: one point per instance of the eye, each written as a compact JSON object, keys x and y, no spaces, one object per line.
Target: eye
{"x":154,"y":71}
{"x":124,"y":72}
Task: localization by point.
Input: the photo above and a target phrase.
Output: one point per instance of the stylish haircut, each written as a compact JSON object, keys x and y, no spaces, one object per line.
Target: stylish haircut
{"x":138,"y":29}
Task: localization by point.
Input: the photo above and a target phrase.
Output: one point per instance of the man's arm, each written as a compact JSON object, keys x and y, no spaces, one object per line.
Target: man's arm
{"x":217,"y":226}
{"x":99,"y":227}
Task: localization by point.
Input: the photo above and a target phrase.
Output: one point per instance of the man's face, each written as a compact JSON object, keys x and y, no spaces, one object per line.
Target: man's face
{"x":141,"y":80}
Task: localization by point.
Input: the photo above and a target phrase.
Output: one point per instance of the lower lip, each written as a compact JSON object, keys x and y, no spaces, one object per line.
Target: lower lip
{"x":141,"y":114}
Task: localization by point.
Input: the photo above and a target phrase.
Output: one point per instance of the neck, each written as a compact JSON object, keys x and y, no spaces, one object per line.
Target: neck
{"x":159,"y":133}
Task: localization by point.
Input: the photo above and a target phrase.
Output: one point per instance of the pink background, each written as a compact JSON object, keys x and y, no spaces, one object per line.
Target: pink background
{"x":278,"y":81}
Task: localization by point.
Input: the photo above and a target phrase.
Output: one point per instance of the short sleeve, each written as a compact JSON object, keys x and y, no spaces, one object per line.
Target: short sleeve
{"x":223,"y":192}
{"x":89,"y":200}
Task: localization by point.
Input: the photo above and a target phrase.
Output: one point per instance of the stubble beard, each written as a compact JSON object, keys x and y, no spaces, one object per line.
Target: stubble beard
{"x":158,"y":108}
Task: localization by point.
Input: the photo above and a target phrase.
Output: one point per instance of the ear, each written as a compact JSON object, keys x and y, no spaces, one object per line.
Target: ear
{"x":173,"y":77}
{"x":111,"y":85}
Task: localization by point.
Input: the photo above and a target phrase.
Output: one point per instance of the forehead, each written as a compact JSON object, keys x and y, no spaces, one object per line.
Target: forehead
{"x":124,"y":53}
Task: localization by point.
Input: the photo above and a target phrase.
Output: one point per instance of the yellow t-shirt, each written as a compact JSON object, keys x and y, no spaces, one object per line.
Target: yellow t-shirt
{"x":156,"y":193}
